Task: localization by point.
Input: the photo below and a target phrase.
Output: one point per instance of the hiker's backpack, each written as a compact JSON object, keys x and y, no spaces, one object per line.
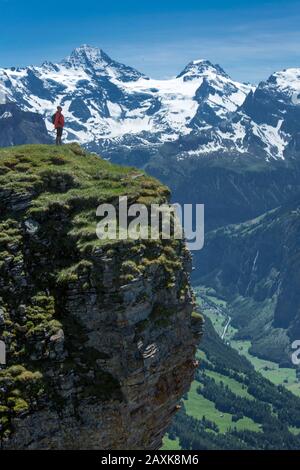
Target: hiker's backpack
{"x":53,"y":118}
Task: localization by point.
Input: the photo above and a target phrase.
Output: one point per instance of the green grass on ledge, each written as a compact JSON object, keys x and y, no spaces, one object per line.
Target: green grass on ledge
{"x":74,"y":181}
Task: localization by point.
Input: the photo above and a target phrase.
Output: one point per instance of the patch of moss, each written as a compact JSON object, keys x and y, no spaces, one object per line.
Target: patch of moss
{"x":19,"y":389}
{"x":129,"y":267}
{"x":73,"y":273}
{"x":197,"y":316}
{"x":19,"y":405}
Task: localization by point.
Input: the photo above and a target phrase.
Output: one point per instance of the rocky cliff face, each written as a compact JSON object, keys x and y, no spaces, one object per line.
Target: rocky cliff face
{"x":19,"y":127}
{"x":100,"y":336}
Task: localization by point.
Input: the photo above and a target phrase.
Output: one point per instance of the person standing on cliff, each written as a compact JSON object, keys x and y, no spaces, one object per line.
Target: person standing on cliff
{"x":58,"y":121}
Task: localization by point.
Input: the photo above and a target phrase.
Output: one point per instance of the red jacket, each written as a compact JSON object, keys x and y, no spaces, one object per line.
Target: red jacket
{"x":59,"y":120}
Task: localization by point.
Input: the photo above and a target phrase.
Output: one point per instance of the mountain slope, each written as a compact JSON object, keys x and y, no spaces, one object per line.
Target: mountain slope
{"x":256,"y":267}
{"x":231,"y":406}
{"x":21,"y":127}
{"x":265,"y":125}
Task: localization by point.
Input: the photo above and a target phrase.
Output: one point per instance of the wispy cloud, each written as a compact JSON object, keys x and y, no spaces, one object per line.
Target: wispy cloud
{"x":250,"y":41}
{"x":251,"y":52}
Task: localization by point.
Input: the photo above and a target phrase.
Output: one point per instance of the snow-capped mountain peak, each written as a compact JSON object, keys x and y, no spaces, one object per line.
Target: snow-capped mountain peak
{"x":95,"y":60}
{"x":202,"y":67}
{"x":104,"y":100}
{"x":287,"y":81}
{"x":87,"y":56}
{"x":115,"y":110}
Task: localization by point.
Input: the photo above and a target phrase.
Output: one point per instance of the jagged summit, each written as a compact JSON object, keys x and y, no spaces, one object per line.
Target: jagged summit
{"x":86,"y":55}
{"x":199,"y":67}
{"x":96,"y":60}
{"x":287,"y":80}
{"x":199,"y":61}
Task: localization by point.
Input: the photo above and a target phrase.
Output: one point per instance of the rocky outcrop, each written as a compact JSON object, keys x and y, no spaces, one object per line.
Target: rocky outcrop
{"x":100,"y":336}
{"x":19,"y":127}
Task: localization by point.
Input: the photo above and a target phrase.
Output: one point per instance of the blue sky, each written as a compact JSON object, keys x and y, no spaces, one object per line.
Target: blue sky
{"x":250,"y":40}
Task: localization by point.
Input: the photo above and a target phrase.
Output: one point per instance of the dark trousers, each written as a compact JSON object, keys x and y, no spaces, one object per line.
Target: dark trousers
{"x":59,"y":132}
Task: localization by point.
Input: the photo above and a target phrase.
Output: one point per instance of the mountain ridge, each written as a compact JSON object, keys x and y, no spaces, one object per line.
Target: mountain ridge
{"x":21,"y":127}
{"x":255,"y":266}
{"x":112,"y":108}
{"x":108,"y":104}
